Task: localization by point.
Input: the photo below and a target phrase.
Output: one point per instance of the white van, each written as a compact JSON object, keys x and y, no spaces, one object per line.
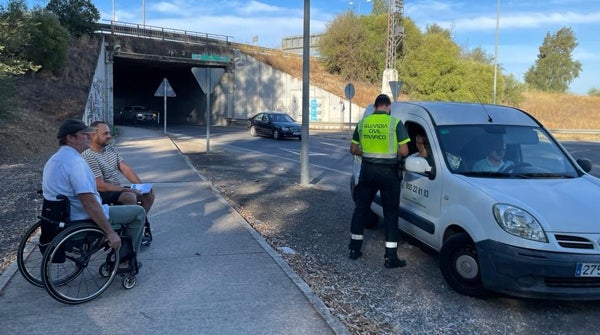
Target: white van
{"x":530,"y":229}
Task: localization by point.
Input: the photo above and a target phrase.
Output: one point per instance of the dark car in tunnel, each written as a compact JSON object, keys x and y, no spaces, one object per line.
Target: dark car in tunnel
{"x":275,"y":125}
{"x":137,"y":114}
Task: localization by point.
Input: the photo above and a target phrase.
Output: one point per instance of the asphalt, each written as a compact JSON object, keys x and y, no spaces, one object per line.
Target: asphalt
{"x":206,"y":272}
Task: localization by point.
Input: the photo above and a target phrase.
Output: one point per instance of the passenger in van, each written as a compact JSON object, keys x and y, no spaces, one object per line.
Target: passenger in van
{"x":422,"y":146}
{"x":494,"y":161}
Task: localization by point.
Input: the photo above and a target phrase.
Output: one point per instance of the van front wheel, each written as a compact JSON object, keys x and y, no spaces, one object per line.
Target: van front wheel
{"x":459,"y":264}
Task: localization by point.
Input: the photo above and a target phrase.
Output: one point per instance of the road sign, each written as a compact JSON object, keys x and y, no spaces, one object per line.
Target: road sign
{"x":395,"y":87}
{"x":349,"y":91}
{"x":208,"y":78}
{"x":164,"y":89}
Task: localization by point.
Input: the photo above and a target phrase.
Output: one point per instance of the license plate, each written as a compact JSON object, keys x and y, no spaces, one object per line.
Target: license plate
{"x":587,"y":270}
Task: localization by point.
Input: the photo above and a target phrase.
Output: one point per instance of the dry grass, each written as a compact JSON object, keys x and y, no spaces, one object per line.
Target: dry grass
{"x":563,"y":111}
{"x":555,"y":111}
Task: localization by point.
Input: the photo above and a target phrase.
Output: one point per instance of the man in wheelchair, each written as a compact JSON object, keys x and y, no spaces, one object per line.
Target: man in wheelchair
{"x":67,"y":173}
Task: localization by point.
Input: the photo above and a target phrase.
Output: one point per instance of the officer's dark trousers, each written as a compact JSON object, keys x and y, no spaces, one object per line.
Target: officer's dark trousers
{"x":373,"y":178}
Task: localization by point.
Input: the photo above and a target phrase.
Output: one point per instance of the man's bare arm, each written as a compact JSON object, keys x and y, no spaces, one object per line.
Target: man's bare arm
{"x":95,"y":212}
{"x":403,"y":150}
{"x":355,"y":149}
{"x":128,"y":172}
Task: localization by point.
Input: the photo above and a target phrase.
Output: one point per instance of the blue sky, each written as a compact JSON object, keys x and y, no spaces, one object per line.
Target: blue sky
{"x":523,"y":23}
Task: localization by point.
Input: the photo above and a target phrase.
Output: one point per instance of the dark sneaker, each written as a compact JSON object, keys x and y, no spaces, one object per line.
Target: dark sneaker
{"x":355,"y":254}
{"x":394,"y":262}
{"x":146,"y":240}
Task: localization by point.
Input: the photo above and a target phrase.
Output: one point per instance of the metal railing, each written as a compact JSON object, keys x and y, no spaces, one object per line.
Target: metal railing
{"x":160,"y":33}
{"x":576,"y":131}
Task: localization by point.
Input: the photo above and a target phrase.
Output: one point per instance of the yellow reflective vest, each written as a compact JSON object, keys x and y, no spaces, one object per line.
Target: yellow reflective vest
{"x":378,"y":136}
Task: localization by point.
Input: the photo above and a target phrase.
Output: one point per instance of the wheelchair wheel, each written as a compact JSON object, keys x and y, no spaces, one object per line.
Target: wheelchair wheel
{"x":107,"y":267}
{"x":129,"y":281}
{"x":70,"y":267}
{"x":29,"y":255}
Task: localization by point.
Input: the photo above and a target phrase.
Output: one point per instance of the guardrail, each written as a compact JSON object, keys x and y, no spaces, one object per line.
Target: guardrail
{"x":160,"y":33}
{"x":576,"y":131}
{"x":344,"y":126}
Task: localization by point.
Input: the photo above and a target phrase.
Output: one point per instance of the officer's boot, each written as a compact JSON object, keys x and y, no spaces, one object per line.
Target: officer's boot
{"x":392,"y":260}
{"x":354,"y":247}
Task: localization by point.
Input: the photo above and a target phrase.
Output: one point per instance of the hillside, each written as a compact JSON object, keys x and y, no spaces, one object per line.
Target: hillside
{"x":43,"y":100}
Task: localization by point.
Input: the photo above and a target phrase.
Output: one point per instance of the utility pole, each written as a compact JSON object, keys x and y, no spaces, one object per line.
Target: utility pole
{"x":395,"y":33}
{"x":496,"y":51}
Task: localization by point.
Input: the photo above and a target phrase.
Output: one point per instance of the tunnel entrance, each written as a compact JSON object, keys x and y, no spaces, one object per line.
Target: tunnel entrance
{"x":136,"y":80}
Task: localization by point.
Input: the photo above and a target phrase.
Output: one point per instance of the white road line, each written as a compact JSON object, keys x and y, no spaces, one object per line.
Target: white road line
{"x":298,"y":152}
{"x":288,"y":159}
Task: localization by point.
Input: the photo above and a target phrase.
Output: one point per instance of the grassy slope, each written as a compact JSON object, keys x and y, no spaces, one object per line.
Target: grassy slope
{"x":44,"y":100}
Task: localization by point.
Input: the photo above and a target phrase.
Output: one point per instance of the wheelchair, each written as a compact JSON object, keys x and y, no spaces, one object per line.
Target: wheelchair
{"x":72,"y":259}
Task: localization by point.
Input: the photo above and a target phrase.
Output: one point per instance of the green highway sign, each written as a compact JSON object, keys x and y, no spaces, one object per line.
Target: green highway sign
{"x":211,"y":58}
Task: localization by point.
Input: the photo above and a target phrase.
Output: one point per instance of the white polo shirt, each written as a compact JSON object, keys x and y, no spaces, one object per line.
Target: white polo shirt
{"x":67,"y":173}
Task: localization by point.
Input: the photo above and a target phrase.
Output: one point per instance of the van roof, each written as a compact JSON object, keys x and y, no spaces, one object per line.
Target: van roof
{"x":453,"y":113}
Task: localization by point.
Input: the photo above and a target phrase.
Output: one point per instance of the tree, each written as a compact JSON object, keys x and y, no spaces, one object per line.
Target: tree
{"x":78,"y":16}
{"x":594,"y":92}
{"x":432,"y":71}
{"x":14,"y":40}
{"x":554,"y":68}
{"x":512,"y":94}
{"x":354,"y":47}
{"x":379,"y":7}
{"x":49,"y":40}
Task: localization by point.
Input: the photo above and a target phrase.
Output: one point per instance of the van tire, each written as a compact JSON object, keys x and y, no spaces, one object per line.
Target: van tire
{"x":460,"y":267}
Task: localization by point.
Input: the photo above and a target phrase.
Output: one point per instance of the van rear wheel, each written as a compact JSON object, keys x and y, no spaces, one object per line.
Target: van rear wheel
{"x":460,"y":267}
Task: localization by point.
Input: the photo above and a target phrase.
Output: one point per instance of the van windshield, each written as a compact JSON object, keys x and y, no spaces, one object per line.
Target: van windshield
{"x":503,"y":151}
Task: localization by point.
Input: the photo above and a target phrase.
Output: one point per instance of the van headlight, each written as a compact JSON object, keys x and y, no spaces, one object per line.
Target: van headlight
{"x":518,"y":222}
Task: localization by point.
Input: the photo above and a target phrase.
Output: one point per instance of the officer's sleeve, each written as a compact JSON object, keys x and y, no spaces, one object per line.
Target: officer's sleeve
{"x":356,"y":135}
{"x":402,"y":134}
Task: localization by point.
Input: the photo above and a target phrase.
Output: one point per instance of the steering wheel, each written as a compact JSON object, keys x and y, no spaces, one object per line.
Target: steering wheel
{"x":511,"y":167}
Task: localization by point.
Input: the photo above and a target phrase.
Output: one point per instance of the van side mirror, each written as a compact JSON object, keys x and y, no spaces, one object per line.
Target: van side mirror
{"x":585,"y":164}
{"x":418,"y":165}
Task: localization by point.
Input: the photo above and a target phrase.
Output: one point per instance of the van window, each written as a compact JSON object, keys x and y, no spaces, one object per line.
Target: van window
{"x":505,"y":151}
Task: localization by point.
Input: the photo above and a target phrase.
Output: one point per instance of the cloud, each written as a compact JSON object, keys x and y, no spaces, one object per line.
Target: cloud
{"x":521,"y":20}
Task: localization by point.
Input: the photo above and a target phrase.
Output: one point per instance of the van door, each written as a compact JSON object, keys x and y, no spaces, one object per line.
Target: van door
{"x":420,"y":197}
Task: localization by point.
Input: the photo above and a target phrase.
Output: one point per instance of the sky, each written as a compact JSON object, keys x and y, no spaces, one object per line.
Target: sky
{"x":523,"y":24}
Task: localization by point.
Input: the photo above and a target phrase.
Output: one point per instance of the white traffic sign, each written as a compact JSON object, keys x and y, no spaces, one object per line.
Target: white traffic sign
{"x":164,"y":89}
{"x":395,"y":87}
{"x":208,"y":78}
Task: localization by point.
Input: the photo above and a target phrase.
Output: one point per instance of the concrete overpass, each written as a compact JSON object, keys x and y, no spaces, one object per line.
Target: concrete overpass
{"x":134,"y":59}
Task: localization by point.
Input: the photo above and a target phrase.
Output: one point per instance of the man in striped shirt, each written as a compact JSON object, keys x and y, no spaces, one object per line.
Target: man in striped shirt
{"x":107,"y":165}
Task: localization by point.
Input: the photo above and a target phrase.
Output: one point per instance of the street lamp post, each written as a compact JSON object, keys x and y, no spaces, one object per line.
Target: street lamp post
{"x":496,"y":51}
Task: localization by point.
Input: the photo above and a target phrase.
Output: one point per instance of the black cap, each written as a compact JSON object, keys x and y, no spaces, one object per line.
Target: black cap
{"x":382,"y":100}
{"x":71,"y":126}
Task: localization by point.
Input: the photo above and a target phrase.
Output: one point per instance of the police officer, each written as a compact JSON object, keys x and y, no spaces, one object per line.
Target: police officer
{"x":381,"y":141}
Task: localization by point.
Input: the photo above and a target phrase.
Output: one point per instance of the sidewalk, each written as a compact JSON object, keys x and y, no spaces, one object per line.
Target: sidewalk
{"x":206,"y":272}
